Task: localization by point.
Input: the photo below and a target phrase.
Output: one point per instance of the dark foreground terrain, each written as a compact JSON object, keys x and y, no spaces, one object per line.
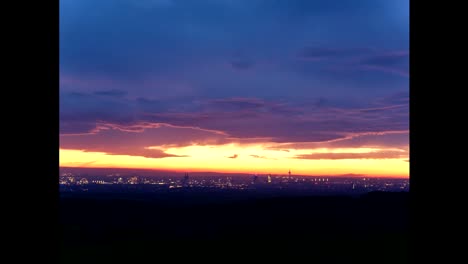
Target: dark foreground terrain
{"x":152,"y":228}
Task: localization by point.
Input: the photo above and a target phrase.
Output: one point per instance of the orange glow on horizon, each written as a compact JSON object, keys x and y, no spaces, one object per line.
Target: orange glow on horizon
{"x":251,"y":158}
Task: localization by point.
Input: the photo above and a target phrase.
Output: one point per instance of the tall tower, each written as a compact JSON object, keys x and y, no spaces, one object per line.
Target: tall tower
{"x":269,"y":178}
{"x":289,"y":173}
{"x":185,"y":180}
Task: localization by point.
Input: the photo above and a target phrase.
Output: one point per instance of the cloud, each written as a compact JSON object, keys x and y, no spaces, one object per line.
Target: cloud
{"x":144,"y":139}
{"x":388,"y":59}
{"x":394,"y":62}
{"x":88,"y":163}
{"x":347,"y":60}
{"x":83,"y":164}
{"x":321,"y":53}
{"x":75,"y":127}
{"x":176,"y":60}
{"x":141,"y":152}
{"x":302,"y":120}
{"x":235,"y":103}
{"x":80,"y":112}
{"x":153,"y":3}
{"x":152,"y":105}
{"x":367,"y":155}
{"x":242,"y":64}
{"x":67,"y":80}
{"x":257,"y":156}
{"x":382,"y":123}
{"x":260,"y":157}
{"x":233,"y":156}
{"x":386,"y":139}
{"x":112,"y":92}
{"x":395,"y":98}
{"x":146,"y":50}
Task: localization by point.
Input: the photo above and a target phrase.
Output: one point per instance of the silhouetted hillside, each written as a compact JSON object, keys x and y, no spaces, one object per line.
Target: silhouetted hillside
{"x":135,"y":220}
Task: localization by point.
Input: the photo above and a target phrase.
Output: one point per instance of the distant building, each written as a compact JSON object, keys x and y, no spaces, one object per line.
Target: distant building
{"x":71,"y":180}
{"x":83,"y":181}
{"x":185,"y":180}
{"x":269,"y":178}
{"x":133,"y":180}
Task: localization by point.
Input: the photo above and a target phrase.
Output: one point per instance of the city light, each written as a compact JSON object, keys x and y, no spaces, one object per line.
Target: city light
{"x":68,"y":182}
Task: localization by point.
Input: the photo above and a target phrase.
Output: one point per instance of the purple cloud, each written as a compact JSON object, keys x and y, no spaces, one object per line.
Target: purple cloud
{"x":240,"y":118}
{"x":393,"y":62}
{"x":367,"y":155}
{"x":242,"y":64}
{"x":112,"y":92}
{"x":322,"y":53}
{"x":168,"y":72}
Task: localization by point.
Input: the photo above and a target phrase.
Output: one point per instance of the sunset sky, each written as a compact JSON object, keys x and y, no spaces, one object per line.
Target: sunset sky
{"x":251,"y":86}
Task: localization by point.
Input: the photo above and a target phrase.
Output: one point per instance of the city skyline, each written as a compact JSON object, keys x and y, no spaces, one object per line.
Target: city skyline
{"x":128,"y":180}
{"x":315,"y":87}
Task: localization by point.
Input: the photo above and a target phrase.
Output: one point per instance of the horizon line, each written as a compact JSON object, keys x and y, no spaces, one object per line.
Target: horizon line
{"x":351,"y":175}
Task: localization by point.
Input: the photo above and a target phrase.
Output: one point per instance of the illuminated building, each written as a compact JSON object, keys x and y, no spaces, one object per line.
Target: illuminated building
{"x":71,"y":179}
{"x":120,"y":180}
{"x":133,"y":180}
{"x":269,"y":178}
{"x":83,"y":181}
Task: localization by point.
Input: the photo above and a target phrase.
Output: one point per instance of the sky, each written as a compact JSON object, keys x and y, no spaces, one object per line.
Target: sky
{"x":253,"y":86}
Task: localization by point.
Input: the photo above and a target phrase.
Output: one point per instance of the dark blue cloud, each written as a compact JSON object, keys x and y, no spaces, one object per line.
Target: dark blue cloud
{"x":251,"y":68}
{"x":241,"y":64}
{"x":307,"y":120}
{"x":112,"y":92}
{"x":396,"y":62}
{"x":367,"y":155}
{"x":129,"y":42}
{"x":318,"y":53}
{"x":79,"y":112}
